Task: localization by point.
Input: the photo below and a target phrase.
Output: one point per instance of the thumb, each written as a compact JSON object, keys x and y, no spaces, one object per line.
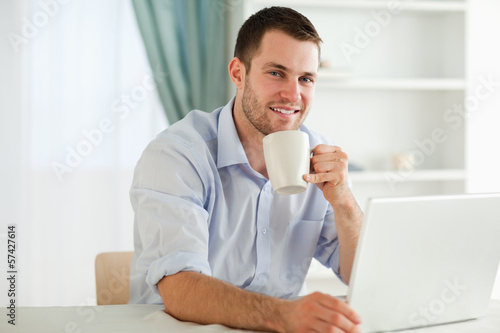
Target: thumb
{"x":312,"y":178}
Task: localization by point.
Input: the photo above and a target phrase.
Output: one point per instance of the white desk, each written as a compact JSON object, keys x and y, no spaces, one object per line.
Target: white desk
{"x":152,"y":318}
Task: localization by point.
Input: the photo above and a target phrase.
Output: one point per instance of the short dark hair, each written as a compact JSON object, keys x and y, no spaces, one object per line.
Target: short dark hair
{"x":278,"y":18}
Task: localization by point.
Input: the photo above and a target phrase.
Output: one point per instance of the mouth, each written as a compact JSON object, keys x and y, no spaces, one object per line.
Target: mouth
{"x":286,"y":111}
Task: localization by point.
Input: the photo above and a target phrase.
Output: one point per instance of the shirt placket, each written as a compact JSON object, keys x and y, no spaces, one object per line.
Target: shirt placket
{"x":262,"y":239}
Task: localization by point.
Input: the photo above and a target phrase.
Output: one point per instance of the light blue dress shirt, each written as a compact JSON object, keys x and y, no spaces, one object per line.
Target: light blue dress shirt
{"x":199,"y":206}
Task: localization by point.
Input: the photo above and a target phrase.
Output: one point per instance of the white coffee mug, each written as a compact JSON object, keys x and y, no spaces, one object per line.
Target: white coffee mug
{"x":287,"y":156}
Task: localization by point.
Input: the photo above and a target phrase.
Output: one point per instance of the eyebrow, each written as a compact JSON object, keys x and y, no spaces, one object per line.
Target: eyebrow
{"x":285,"y":69}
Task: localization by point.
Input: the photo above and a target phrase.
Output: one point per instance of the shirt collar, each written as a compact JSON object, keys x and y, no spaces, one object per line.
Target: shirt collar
{"x":229,"y":148}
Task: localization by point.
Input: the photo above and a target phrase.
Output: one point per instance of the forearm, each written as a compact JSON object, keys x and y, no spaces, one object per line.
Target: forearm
{"x":348,"y":219}
{"x":192,"y":296}
{"x":329,"y":173}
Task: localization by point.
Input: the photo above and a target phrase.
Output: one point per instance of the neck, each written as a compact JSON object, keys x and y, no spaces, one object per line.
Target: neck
{"x":251,"y":140}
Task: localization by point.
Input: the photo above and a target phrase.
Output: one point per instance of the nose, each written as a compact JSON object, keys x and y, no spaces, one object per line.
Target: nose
{"x":291,"y":91}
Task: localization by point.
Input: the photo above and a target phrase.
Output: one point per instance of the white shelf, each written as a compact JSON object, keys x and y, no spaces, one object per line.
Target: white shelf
{"x":447,"y":6}
{"x":332,"y":80}
{"x":414,"y":176}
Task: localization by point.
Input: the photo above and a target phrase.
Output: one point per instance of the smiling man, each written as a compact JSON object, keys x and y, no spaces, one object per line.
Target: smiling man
{"x":213,"y":242}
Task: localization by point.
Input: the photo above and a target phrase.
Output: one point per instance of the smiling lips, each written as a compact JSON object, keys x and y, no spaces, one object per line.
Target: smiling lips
{"x":284,"y":111}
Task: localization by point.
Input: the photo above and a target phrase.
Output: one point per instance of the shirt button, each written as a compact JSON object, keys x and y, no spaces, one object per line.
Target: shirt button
{"x":264,"y":231}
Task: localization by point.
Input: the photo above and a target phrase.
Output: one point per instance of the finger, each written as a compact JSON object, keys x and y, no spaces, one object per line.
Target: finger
{"x":340,"y":321}
{"x":342,"y":307}
{"x":330,"y":156}
{"x":323,"y":326}
{"x":319,"y":178}
{"x":328,"y":320}
{"x":323,"y":149}
{"x":329,"y":166}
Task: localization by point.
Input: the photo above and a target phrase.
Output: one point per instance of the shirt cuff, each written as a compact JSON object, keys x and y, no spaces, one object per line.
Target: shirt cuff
{"x":175,"y":263}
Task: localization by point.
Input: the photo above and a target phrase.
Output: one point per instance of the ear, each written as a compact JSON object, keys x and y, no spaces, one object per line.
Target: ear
{"x":237,"y":72}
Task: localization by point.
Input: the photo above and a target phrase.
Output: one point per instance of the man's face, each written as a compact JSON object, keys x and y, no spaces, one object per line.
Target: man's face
{"x":279,"y":89}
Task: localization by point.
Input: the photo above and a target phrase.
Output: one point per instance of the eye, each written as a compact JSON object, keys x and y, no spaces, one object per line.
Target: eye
{"x":275,"y":74}
{"x":306,"y":79}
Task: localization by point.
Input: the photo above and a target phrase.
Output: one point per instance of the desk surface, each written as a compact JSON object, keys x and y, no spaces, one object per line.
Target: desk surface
{"x":152,"y":318}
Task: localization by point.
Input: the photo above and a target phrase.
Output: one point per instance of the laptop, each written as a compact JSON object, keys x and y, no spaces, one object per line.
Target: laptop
{"x":423,"y":261}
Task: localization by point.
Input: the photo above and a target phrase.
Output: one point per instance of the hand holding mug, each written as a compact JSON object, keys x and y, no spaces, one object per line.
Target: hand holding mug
{"x":329,"y":172}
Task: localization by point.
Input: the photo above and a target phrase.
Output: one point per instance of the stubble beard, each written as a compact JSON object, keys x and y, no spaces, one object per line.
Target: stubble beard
{"x":257,"y":114}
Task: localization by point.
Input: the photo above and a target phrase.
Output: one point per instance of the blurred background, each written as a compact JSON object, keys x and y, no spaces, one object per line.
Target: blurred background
{"x":410,"y":89}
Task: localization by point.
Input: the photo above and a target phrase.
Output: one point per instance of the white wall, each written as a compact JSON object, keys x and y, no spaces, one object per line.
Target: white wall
{"x":484,"y":63}
{"x":483,"y":54}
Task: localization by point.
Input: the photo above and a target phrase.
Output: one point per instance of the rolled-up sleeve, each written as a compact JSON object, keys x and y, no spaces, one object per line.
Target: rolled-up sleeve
{"x":327,"y":251}
{"x":171,"y":224}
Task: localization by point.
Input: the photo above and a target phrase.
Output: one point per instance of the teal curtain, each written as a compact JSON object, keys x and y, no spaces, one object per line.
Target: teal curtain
{"x":186,"y":45}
